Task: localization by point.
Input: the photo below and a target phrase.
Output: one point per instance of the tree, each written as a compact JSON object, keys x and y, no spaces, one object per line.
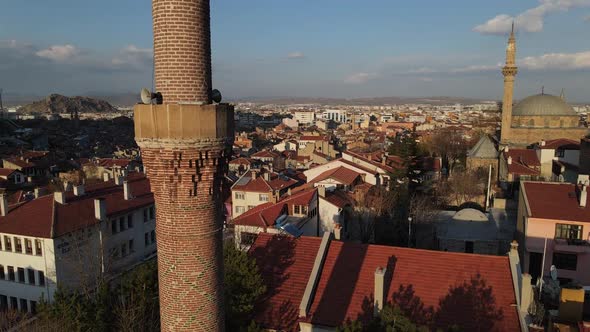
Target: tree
{"x":450,"y":145}
{"x":462,"y":187}
{"x":371,"y":207}
{"x":243,"y":287}
{"x":390,"y":319}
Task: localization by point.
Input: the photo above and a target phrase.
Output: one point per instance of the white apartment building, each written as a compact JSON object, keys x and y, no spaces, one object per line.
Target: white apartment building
{"x":304,"y":117}
{"x":73,"y":238}
{"x":335,"y":115}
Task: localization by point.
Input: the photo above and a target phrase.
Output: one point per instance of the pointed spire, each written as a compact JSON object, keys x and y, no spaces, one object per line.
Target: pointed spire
{"x":562,"y":94}
{"x":543,"y":90}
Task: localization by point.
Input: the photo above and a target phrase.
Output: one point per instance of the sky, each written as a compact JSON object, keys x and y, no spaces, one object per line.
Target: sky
{"x":306,"y":48}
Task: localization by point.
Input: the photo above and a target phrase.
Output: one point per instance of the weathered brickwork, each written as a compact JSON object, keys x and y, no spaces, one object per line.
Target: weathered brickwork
{"x":182,"y":50}
{"x":187,"y":187}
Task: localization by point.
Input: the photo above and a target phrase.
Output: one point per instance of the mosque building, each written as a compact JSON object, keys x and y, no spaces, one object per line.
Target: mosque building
{"x":535,"y":118}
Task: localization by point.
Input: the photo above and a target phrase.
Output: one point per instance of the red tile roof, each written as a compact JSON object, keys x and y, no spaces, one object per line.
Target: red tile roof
{"x":564,"y":143}
{"x":6,"y":171}
{"x":266,"y":214}
{"x":240,"y":161}
{"x":338,"y":198}
{"x":260,"y":185}
{"x":524,"y":162}
{"x":551,"y":200}
{"x":440,"y":281}
{"x":264,"y":154}
{"x":341,"y":174}
{"x":313,"y":138}
{"x":43,"y":217}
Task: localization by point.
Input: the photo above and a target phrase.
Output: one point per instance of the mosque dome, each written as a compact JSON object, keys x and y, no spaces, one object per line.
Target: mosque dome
{"x":543,"y":105}
{"x":470,"y":214}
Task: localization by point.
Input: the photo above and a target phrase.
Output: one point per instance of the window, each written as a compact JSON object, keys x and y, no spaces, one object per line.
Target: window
{"x":570,"y":232}
{"x":247,"y":238}
{"x":263,"y":197}
{"x":152,"y":213}
{"x":122,"y":225}
{"x":146,"y":239}
{"x":296,"y":209}
{"x":31,"y":274}
{"x":11,"y":273}
{"x":2,"y":275}
{"x":559,"y":153}
{"x":303,"y":209}
{"x":7,"y":243}
{"x":33,"y":307}
{"x":145,"y":215}
{"x":28,"y":247}
{"x":114,"y":226}
{"x":239,"y":195}
{"x":565,"y":261}
{"x":38,"y":250}
{"x":41,"y":276}
{"x":239,"y":209}
{"x":124,"y":250}
{"x":130,"y":221}
{"x":131,"y":246}
{"x":24,"y":306}
{"x":18,"y":244}
{"x":153,"y":235}
{"x":21,"y":274}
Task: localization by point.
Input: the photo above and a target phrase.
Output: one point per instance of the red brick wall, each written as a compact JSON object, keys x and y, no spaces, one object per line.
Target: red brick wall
{"x":188,"y":229}
{"x":182,"y":50}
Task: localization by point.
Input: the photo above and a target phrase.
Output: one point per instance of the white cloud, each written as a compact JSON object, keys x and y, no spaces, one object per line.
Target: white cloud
{"x":475,"y":68}
{"x":423,"y":70}
{"x":59,"y":53}
{"x":426,"y":79}
{"x":531,"y":20}
{"x":557,"y":61}
{"x":360,"y":78}
{"x":133,"y":56}
{"x":296,"y":55}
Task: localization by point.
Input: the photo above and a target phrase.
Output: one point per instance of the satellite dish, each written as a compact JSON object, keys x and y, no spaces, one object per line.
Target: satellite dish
{"x":216,"y":96}
{"x":147,"y":96}
{"x":553,"y":272}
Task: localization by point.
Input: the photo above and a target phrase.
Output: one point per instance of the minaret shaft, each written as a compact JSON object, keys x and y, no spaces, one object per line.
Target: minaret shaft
{"x":509,"y":71}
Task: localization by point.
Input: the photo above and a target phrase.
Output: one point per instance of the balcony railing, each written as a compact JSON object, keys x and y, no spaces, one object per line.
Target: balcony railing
{"x":572,"y":245}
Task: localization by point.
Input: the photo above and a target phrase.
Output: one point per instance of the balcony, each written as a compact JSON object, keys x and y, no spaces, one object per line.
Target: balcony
{"x":572,"y":245}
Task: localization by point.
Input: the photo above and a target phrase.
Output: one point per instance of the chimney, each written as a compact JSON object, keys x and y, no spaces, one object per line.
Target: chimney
{"x":106,"y":176}
{"x":384,"y":159}
{"x":39,"y":192}
{"x":60,"y":197}
{"x":337,"y":231}
{"x":266,"y":176}
{"x":322,"y":191}
{"x":289,"y":192}
{"x":379,"y":290}
{"x":127,"y":191}
{"x":583,"y":196}
{"x":254,"y":175}
{"x":514,"y":246}
{"x":506,"y":149}
{"x":67,"y":186}
{"x":79,"y":190}
{"x":29,"y":179}
{"x":3,"y":205}
{"x":509,"y":160}
{"x":118,"y":180}
{"x":543,"y":142}
{"x":100,"y":209}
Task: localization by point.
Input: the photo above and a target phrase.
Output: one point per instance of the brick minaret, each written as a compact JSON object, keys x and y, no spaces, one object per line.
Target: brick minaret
{"x":185,"y":144}
{"x":509,"y":71}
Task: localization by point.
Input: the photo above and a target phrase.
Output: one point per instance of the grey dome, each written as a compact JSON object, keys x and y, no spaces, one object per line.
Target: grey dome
{"x":470,"y":214}
{"x":543,"y":105}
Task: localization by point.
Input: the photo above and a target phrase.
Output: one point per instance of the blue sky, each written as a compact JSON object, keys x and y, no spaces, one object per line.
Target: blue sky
{"x":327,"y":48}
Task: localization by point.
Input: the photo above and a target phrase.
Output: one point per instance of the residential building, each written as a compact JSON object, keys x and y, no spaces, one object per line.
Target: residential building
{"x":340,"y":116}
{"x":318,"y":284}
{"x":304,"y":117}
{"x":12,"y":176}
{"x":73,"y":238}
{"x":559,"y":214}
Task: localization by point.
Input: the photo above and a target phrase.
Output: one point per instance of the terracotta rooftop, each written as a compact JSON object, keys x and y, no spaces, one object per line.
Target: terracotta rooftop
{"x":554,"y":200}
{"x":313,"y":138}
{"x":341,"y":174}
{"x":524,"y":162}
{"x":6,"y":171}
{"x":472,"y":291}
{"x":564,"y":143}
{"x":43,"y":217}
{"x":264,"y":154}
{"x":259,"y":184}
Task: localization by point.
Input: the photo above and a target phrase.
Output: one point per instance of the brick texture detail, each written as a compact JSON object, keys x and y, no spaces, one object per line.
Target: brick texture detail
{"x":187,"y":188}
{"x":182,"y":50}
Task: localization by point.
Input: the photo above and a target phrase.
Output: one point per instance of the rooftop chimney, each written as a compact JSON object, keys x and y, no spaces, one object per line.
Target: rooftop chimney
{"x":509,"y":160}
{"x":106,"y":176}
{"x":3,"y":205}
{"x":39,"y":192}
{"x":543,"y":142}
{"x":254,"y":174}
{"x":79,"y":190}
{"x":118,"y":180}
{"x":506,"y":149}
{"x":322,"y":191}
{"x":379,"y":289}
{"x":60,"y":197}
{"x":583,"y":196}
{"x":100,"y":209}
{"x":127,"y":191}
{"x":266,"y":176}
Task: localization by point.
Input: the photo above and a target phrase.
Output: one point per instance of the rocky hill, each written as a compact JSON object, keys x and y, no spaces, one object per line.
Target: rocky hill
{"x":59,"y":104}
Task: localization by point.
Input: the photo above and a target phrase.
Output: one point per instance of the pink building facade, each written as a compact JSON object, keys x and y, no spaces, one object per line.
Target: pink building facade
{"x":559,"y":213}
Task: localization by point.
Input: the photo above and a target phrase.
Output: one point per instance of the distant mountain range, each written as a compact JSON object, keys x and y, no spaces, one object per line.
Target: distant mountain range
{"x":377,"y":101}
{"x":58,"y":104}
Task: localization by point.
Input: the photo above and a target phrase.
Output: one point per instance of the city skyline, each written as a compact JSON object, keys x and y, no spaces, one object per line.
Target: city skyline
{"x":344,"y":50}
